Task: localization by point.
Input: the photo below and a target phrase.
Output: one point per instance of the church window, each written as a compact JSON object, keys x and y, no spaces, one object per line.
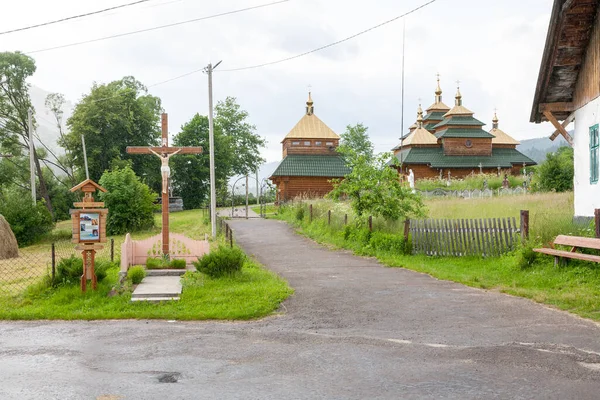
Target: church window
{"x":594,"y":159}
{"x":317,"y":143}
{"x":295,"y":143}
{"x":307,"y":143}
{"x":468,"y":143}
{"x":329,"y":144}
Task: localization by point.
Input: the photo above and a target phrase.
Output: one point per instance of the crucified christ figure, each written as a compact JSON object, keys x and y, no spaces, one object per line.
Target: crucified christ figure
{"x":165,"y":170}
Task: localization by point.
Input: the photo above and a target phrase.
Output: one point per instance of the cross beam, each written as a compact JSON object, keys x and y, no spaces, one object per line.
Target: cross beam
{"x":166,"y":152}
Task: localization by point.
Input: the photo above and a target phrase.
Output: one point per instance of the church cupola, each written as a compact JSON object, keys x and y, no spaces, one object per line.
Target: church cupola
{"x":495,"y":121}
{"x":309,"y":105}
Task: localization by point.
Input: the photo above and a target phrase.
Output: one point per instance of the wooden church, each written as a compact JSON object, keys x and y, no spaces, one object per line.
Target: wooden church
{"x":451,"y":142}
{"x":310,"y":159}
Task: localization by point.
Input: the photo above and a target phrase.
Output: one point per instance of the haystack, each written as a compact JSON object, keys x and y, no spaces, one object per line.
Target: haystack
{"x":8,"y":243}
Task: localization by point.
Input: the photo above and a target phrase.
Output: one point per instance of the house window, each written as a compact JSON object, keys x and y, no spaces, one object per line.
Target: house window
{"x":307,"y":143}
{"x":295,"y":143}
{"x":594,"y":159}
{"x":317,"y":143}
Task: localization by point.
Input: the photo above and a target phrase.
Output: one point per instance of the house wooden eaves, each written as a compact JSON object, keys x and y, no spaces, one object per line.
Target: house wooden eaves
{"x":559,"y":90}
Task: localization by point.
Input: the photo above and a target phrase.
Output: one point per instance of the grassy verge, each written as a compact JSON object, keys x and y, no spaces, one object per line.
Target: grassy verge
{"x":270,"y":209}
{"x":574,"y":287}
{"x":252,"y":293}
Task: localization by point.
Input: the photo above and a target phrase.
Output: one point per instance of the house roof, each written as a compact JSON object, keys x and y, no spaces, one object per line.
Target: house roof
{"x":435,"y":158}
{"x":312,"y":165}
{"x":569,"y":31}
{"x":310,"y":126}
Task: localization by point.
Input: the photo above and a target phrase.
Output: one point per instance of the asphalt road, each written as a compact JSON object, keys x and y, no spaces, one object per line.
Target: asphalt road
{"x":353,"y":329}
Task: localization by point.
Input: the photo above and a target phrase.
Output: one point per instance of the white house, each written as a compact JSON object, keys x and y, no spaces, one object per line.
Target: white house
{"x":568,"y":90}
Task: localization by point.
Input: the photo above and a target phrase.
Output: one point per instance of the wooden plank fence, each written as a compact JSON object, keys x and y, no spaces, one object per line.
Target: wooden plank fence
{"x":464,"y":237}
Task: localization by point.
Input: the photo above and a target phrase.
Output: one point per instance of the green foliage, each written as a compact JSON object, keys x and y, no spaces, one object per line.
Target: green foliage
{"x":224,"y":261}
{"x":526,"y":257}
{"x":556,"y":172}
{"x":69,"y":270}
{"x":111,"y":117}
{"x":388,"y":242}
{"x":355,"y":140}
{"x":233,"y":123}
{"x":29,"y":223}
{"x":163,"y":263}
{"x":374,"y":189}
{"x":471,"y":182}
{"x":191,"y":173}
{"x":136,"y":274}
{"x":299,"y":213}
{"x":130,"y":202}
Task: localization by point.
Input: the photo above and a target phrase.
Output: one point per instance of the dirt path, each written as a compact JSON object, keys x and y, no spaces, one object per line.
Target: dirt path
{"x":353,"y":329}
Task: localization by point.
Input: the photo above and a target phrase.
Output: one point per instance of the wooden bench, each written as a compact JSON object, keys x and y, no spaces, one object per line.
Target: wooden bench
{"x":576,"y":243}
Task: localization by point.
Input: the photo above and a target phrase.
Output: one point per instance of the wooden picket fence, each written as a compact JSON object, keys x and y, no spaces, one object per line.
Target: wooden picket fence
{"x":464,"y":237}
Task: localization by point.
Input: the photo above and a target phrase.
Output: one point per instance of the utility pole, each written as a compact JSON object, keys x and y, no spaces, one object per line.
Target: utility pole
{"x":402,"y":112}
{"x":31,"y":155}
{"x":87,"y":173}
{"x":211,"y":141}
{"x":257,"y":194}
{"x":246,"y":196}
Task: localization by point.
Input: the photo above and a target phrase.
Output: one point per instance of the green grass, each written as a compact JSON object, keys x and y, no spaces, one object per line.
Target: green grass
{"x":253,"y":293}
{"x":574,"y":287}
{"x":270,"y":209}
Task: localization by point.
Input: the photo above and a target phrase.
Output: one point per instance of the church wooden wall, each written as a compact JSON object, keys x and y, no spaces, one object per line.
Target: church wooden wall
{"x":311,"y":186}
{"x":456,"y":147}
{"x":587,"y":87}
{"x":288,"y":148}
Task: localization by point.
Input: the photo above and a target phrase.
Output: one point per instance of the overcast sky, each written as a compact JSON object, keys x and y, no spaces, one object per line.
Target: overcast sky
{"x":493,"y":47}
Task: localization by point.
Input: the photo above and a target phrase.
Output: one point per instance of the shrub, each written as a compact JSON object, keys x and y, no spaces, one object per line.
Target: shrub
{"x":177,"y":264}
{"x":130,"y":202}
{"x":28,"y":222}
{"x":526,"y":256}
{"x":224,"y":261}
{"x":154,"y":263}
{"x":300,"y":213}
{"x":69,"y":270}
{"x":388,"y":242}
{"x":136,"y":274}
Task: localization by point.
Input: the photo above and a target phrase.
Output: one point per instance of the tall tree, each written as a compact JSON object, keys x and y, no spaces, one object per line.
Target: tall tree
{"x":15,"y":103}
{"x":556,"y":172}
{"x":355,"y":140}
{"x":191,"y":176}
{"x":233,"y":122}
{"x":110,"y":118}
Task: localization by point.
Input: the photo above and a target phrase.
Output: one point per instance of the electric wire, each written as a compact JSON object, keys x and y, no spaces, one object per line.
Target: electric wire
{"x":73,"y":17}
{"x":157,"y":27}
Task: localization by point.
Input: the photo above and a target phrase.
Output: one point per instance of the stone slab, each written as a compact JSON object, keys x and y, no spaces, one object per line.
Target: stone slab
{"x":158,"y":286}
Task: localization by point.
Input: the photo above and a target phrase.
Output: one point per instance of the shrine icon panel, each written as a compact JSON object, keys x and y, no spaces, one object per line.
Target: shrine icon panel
{"x":89,"y":226}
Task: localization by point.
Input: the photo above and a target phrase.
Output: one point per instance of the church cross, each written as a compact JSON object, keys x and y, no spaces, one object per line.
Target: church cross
{"x":457,"y":83}
{"x":164,"y":152}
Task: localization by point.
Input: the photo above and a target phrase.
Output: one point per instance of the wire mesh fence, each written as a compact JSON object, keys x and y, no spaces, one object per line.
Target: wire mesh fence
{"x":41,"y":261}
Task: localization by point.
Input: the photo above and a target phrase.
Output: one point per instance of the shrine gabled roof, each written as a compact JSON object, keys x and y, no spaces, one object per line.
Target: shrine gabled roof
{"x":312,"y":165}
{"x":463,"y":133}
{"x":435,"y":158}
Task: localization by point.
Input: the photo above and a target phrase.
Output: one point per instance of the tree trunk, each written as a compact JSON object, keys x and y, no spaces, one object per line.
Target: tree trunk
{"x":43,"y":188}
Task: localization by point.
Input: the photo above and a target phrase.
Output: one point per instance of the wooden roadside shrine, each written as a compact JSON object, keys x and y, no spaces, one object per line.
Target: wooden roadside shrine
{"x":89,"y":229}
{"x":164,"y":152}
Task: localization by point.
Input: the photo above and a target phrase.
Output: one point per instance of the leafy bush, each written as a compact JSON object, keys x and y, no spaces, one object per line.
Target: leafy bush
{"x":136,"y":274}
{"x":130,"y":202}
{"x":177,"y":264}
{"x":69,"y":270}
{"x":225,"y":261}
{"x":300,"y":213}
{"x":526,"y":256}
{"x":28,"y":222}
{"x":556,"y":172}
{"x":161,"y":263}
{"x":388,"y":242}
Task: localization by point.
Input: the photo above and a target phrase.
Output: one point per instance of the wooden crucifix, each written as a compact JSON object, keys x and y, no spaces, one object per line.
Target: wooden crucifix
{"x":164,"y":152}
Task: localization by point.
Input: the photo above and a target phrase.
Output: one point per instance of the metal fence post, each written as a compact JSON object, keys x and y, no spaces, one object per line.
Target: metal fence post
{"x":53,"y":261}
{"x":524,"y":225}
{"x":112,"y":250}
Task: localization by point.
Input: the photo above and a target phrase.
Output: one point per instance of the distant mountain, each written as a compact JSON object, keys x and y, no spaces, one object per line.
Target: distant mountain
{"x":536,"y":149}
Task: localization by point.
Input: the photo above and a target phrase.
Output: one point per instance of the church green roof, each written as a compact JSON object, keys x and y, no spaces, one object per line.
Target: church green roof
{"x":434,"y":116}
{"x":435,"y":158}
{"x":460,"y":120}
{"x":312,"y":165}
{"x":463,"y":133}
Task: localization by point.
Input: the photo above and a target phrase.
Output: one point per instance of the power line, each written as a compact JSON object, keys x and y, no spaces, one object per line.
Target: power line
{"x":74,"y":17}
{"x":331,"y":44}
{"x":158,"y":27}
